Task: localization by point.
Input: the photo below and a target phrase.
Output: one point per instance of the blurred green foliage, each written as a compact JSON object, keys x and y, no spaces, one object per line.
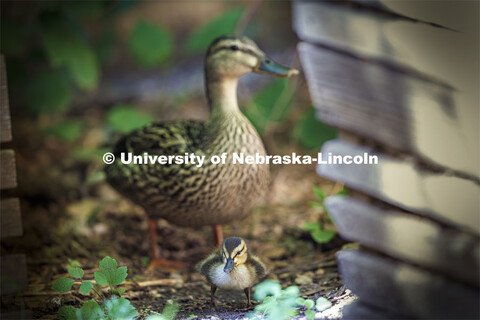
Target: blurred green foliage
{"x":73,"y":42}
{"x":68,"y":130}
{"x":48,"y":92}
{"x":317,"y":229}
{"x":272,"y":103}
{"x":225,"y":23}
{"x":312,"y":134}
{"x":125,"y":118}
{"x":150,"y":44}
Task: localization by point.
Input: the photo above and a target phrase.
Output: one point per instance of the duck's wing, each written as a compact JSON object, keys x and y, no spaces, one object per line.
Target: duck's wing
{"x":205,"y":266}
{"x":166,"y":138}
{"x":260,"y":268}
{"x":151,"y":184}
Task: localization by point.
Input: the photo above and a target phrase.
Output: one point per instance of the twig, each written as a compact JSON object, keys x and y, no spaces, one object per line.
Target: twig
{"x":159,"y":282}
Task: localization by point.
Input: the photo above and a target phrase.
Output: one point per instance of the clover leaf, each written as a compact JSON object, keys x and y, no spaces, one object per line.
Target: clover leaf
{"x":109,"y":274}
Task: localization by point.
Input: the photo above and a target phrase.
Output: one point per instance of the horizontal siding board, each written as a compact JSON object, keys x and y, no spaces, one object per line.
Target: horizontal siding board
{"x":405,"y":289}
{"x":407,"y":237}
{"x":447,"y":199}
{"x":5,"y":123}
{"x":389,"y":107}
{"x":10,"y":218}
{"x":8,"y":173}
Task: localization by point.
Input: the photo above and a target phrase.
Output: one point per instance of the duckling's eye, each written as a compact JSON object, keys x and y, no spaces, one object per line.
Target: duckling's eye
{"x":234,"y":48}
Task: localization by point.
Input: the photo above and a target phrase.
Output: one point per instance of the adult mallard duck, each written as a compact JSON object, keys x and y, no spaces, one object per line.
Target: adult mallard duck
{"x":232,"y":268}
{"x":212,"y":194}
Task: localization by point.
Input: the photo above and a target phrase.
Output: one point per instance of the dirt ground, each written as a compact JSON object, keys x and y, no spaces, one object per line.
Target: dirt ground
{"x":103,"y":223}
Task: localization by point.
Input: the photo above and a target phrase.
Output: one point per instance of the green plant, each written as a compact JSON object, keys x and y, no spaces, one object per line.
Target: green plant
{"x":320,"y":305}
{"x":278,"y":304}
{"x":311,"y":134}
{"x":317,"y":229}
{"x":108,"y":275}
{"x":116,"y":307}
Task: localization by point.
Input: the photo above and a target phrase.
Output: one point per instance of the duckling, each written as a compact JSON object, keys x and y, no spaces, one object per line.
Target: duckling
{"x":232,"y":268}
{"x":212,"y":194}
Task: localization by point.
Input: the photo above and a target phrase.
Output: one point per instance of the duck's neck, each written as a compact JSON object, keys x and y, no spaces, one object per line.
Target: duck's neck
{"x":222,"y":95}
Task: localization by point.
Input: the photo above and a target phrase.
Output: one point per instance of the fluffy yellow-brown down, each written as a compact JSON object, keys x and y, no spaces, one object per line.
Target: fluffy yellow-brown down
{"x":232,"y":268}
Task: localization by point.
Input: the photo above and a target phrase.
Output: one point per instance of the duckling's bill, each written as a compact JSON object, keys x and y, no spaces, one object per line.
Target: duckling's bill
{"x":268,"y":66}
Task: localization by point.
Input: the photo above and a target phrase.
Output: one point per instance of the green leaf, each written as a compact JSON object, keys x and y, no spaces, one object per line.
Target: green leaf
{"x":343,"y":192}
{"x":73,"y":263}
{"x":290,"y":292}
{"x":225,"y":23}
{"x":63,"y":284}
{"x":315,"y":204}
{"x":311,"y":226}
{"x":310,"y":314}
{"x":85,"y":287}
{"x":267,"y":288}
{"x":67,"y":313}
{"x":125,"y":118}
{"x":309,"y":304}
{"x":101,"y":278}
{"x":48,"y":92}
{"x":65,"y":48}
{"x":322,"y":236}
{"x":68,"y":130}
{"x":90,"y":311}
{"x":150,"y":44}
{"x":118,"y":292}
{"x":170,"y":311}
{"x":107,"y":264}
{"x":84,"y":67}
{"x":323,"y":304}
{"x":319,"y":193}
{"x":120,"y":308}
{"x":75,"y":272}
{"x":109,"y":274}
{"x":271,"y":103}
{"x":312,"y":134}
{"x":300,"y":301}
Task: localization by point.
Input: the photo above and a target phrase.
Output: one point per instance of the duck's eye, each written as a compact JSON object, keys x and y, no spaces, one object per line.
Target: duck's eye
{"x":234,"y":48}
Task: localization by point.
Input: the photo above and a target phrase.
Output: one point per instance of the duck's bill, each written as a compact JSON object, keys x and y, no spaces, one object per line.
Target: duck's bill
{"x":229,"y":266}
{"x":268,"y":66}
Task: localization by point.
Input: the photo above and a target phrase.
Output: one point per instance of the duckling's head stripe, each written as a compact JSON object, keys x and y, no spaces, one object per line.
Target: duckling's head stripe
{"x":233,"y":243}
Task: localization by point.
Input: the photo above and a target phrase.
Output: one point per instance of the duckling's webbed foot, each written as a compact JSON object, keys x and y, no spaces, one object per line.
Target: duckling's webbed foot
{"x":213,"y":288}
{"x":247,"y":293}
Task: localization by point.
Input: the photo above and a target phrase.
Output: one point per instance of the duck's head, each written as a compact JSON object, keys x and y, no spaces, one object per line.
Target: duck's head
{"x":232,"y":57}
{"x":234,"y":253}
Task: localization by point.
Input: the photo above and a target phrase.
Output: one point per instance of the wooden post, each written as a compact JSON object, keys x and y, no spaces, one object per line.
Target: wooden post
{"x":13,"y":267}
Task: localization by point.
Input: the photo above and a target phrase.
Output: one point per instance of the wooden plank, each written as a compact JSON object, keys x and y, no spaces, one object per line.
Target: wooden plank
{"x":389,"y":107}
{"x":448,"y":199}
{"x":359,"y":310}
{"x":5,"y":123}
{"x":407,"y":237}
{"x":14,"y":274}
{"x":429,"y":50}
{"x":10,"y":218}
{"x":405,"y":289}
{"x":8,"y":173}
